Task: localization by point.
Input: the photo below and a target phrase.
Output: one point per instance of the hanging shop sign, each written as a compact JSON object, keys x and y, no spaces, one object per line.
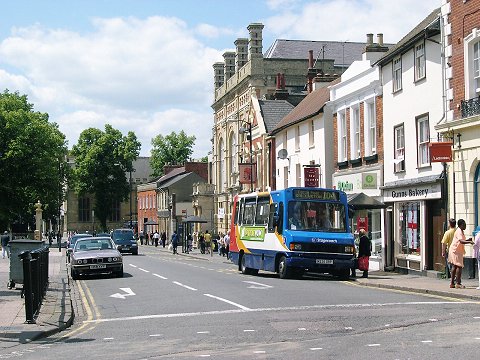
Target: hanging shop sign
{"x":310,"y":174}
{"x":247,"y":173}
{"x":440,"y":151}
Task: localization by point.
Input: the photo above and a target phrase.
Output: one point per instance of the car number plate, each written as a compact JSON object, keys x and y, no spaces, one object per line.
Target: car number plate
{"x":324,"y":261}
{"x":125,"y":247}
{"x":98,"y":266}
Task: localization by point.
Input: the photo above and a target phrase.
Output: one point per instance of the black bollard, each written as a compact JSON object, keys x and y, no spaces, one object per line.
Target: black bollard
{"x":27,"y":286}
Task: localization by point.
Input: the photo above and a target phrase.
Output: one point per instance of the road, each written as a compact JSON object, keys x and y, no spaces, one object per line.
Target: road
{"x":179,"y":307}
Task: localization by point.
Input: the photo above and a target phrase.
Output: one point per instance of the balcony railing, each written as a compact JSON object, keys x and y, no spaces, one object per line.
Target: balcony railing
{"x":470,"y":107}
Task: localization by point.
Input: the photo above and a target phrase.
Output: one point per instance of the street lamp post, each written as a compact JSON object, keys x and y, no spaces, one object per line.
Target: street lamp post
{"x":130,"y":188}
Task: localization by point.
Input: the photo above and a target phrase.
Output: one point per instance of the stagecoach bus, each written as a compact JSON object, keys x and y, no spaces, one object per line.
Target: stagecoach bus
{"x":291,"y":231}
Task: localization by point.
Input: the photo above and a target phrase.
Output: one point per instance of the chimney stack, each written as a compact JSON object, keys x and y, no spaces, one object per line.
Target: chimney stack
{"x":380,"y":39}
{"x":241,"y":54}
{"x":229,"y":58}
{"x":219,"y":74}
{"x":311,"y":72}
{"x":255,"y":41}
{"x":369,"y":39}
{"x":280,"y":92}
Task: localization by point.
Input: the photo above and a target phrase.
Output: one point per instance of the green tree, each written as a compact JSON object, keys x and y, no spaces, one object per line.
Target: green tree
{"x":171,"y":149}
{"x":32,"y":156}
{"x":102,"y":159}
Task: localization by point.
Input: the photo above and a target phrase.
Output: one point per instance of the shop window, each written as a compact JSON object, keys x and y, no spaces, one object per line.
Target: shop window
{"x":409,"y":227}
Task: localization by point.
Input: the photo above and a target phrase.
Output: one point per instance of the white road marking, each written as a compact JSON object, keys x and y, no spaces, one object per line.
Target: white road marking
{"x":302,"y":329}
{"x":133,"y":265}
{"x":348,"y":328}
{"x":248,"y":330}
{"x":185,"y":286}
{"x":258,"y":285}
{"x":372,"y":345}
{"x":387,"y":325}
{"x":128,"y":292}
{"x":244,"y":309}
{"x":259,"y":352}
{"x":476,"y":317}
{"x":477,"y":338}
{"x":203,"y":332}
{"x":153,"y":335}
{"x":432,"y":320}
{"x":228,"y":302}
{"x":160,"y":276}
{"x":204,"y":355}
{"x":426,"y":341}
{"x":147,"y":271}
{"x":314,"y":349}
{"x":108,"y":338}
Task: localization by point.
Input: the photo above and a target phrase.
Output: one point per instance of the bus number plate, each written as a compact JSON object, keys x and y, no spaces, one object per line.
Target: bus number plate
{"x":324,"y":261}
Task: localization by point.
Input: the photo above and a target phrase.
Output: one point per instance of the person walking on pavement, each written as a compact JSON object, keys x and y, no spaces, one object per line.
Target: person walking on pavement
{"x":226,"y":240}
{"x":208,"y":241}
{"x":201,"y":240}
{"x":446,"y":242}
{"x":476,"y":253}
{"x":364,"y":251}
{"x":174,"y":242}
{"x":164,"y":238}
{"x":156,"y":237}
{"x":5,"y":240}
{"x":455,"y":254}
{"x":141,"y":235}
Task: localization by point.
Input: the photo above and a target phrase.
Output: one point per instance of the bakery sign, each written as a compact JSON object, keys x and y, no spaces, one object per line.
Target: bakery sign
{"x":441,"y":151}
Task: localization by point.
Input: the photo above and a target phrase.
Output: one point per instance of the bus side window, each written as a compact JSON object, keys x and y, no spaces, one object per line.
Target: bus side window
{"x":261,"y":217}
{"x":272,"y":217}
{"x":280,"y":218}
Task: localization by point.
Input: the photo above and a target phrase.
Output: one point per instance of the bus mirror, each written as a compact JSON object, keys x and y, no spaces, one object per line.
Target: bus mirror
{"x":351,"y":211}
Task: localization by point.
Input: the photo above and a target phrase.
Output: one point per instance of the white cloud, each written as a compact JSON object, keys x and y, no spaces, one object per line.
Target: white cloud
{"x":350,"y":20}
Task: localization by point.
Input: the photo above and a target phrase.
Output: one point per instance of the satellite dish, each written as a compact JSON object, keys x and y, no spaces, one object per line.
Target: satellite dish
{"x":282,"y":154}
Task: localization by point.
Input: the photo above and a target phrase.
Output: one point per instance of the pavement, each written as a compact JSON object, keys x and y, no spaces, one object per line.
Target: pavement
{"x":56,"y":312}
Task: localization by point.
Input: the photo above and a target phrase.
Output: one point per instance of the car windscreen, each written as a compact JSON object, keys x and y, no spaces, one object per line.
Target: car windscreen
{"x":122,"y":235}
{"x":94,"y":244}
{"x":75,"y":238}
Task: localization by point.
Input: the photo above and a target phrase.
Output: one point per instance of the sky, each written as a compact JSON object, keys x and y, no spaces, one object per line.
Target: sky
{"x":146,"y":65}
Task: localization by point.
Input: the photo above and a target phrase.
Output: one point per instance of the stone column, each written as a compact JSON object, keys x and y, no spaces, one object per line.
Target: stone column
{"x":38,"y":221}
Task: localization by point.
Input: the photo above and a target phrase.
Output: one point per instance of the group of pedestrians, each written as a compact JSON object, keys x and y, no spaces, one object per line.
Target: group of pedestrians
{"x":453,"y":250}
{"x":154,"y":238}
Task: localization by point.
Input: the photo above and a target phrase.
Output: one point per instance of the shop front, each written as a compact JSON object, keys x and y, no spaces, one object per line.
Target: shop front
{"x":364,"y":196}
{"x":416,"y":220}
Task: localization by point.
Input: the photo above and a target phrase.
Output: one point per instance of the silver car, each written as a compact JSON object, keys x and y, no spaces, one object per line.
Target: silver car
{"x":95,"y":255}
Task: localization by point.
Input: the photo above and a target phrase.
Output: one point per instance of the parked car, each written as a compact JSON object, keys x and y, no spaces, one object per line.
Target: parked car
{"x":125,"y":241}
{"x":71,"y":242}
{"x":95,"y":255}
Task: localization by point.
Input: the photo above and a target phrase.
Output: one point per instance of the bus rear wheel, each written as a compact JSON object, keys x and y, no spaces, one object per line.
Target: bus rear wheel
{"x":284,"y":272}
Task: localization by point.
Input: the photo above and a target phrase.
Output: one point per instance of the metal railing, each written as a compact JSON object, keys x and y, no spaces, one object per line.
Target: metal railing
{"x":470,"y":107}
{"x":35,"y":280}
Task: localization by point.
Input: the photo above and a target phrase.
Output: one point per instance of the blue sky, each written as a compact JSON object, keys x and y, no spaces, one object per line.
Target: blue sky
{"x":146,"y":65}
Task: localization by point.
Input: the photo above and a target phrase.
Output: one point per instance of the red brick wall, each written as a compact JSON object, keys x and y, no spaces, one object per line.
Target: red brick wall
{"x":199,"y":168}
{"x":464,"y":17}
{"x":150,"y":212}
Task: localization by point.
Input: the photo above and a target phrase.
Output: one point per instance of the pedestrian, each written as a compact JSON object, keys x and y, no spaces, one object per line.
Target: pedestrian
{"x":174,"y":242}
{"x":5,"y":239}
{"x":201,"y":239}
{"x":208,"y":241}
{"x":364,"y":252}
{"x":156,"y":237}
{"x":455,"y":254}
{"x":446,"y":242}
{"x":476,"y":253}
{"x":226,"y":240}
{"x":141,"y":235}
{"x":164,"y":238}
{"x":221,"y":245}
{"x":189,"y":243}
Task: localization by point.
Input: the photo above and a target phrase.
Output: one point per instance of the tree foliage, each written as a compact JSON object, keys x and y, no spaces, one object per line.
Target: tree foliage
{"x":171,"y":149}
{"x":32,"y":156}
{"x":102,"y":159}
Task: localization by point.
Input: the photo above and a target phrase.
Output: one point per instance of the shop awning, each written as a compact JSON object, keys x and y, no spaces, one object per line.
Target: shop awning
{"x":361,"y":201}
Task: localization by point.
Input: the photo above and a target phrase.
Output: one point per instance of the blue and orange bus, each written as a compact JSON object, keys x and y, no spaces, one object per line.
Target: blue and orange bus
{"x":292,"y":231}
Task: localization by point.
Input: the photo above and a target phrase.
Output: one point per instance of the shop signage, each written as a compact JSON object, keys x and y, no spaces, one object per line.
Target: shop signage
{"x":440,"y":151}
{"x":310,"y":174}
{"x":344,"y":186}
{"x":362,"y":223}
{"x":247,"y":173}
{"x":369,"y":181}
{"x":421,"y":192}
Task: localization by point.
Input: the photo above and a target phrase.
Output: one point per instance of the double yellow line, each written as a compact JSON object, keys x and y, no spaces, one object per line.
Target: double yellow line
{"x":90,"y":308}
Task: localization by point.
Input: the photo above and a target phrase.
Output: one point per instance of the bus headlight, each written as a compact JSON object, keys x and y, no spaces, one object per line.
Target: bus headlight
{"x":349,"y":249}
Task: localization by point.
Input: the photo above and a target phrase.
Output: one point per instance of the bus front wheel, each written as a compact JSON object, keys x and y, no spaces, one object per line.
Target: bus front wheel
{"x":283,"y":271}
